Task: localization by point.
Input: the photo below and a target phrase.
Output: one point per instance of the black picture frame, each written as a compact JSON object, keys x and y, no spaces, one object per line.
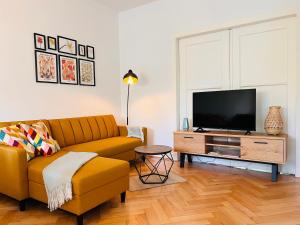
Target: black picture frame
{"x":79,"y":72}
{"x":48,"y":43}
{"x":36,"y":68}
{"x":59,"y":65}
{"x":81,"y":46}
{"x":35,"y":41}
{"x":87,"y":52}
{"x":59,"y":38}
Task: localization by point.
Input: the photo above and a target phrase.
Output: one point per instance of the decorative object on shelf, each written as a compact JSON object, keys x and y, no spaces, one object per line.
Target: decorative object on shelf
{"x":67,"y":45}
{"x":52,"y":43}
{"x":81,"y":50}
{"x":90,"y":52}
{"x":39,"y":41}
{"x":87,"y":72}
{"x":274,"y":122}
{"x":46,"y":67}
{"x":185,"y":125}
{"x":129,"y":79}
{"x":68,"y":70}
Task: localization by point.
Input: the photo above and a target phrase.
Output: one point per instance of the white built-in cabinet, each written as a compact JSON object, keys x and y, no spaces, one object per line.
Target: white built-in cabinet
{"x":259,"y":55}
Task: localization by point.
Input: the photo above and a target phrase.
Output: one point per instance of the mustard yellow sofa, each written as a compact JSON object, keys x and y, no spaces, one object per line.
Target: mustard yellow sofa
{"x":99,"y":180}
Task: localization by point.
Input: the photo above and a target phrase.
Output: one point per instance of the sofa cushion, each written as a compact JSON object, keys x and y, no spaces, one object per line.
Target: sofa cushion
{"x":13,"y":136}
{"x":38,"y":135}
{"x":83,"y":129}
{"x":97,"y":172}
{"x":107,"y":147}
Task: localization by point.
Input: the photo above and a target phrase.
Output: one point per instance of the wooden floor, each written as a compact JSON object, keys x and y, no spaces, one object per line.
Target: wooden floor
{"x":211,"y":195}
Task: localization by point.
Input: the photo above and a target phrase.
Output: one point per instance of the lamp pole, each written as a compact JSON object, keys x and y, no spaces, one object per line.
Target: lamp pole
{"x":127,"y":101}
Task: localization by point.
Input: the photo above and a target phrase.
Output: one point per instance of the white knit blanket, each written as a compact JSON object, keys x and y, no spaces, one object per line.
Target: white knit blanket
{"x":58,"y":177}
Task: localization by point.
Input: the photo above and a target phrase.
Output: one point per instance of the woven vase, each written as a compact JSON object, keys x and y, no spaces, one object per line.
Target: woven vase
{"x":274,"y":122}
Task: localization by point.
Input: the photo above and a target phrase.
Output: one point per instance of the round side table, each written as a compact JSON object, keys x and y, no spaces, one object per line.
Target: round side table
{"x":142,"y":154}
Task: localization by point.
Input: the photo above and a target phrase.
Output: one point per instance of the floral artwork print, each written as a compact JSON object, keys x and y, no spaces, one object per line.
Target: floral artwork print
{"x":90,"y":52}
{"x":51,"y":43}
{"x":67,"y":45}
{"x":81,"y":49}
{"x":87,"y":73}
{"x":39,"y":41}
{"x":68,"y":70}
{"x":46,"y":67}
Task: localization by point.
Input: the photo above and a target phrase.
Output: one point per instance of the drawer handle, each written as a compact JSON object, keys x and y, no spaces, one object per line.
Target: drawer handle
{"x":189,"y":137}
{"x":261,"y":142}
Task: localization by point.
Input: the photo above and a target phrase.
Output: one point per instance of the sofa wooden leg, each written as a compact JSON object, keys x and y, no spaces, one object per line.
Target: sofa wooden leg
{"x":22,"y":205}
{"x":123,"y":197}
{"x":80,"y":220}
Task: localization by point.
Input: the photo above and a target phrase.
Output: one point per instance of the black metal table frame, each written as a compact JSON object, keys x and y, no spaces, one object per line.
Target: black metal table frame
{"x":153,"y":167}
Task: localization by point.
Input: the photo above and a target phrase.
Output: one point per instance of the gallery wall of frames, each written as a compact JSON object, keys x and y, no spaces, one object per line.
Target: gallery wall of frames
{"x":62,"y":60}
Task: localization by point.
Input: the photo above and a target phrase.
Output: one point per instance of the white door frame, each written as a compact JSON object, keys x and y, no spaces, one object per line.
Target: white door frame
{"x":235,"y":24}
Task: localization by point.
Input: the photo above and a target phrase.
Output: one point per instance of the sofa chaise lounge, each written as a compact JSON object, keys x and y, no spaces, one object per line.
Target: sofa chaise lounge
{"x":97,"y":181}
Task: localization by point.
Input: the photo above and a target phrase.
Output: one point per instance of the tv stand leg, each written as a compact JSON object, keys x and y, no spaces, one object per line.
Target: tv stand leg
{"x":190,"y":158}
{"x":274,"y":172}
{"x":182,"y":159}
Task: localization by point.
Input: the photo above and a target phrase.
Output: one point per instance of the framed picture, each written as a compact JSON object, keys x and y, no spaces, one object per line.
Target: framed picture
{"x":90,"y":52}
{"x":46,"y":67}
{"x":67,"y":45}
{"x":39,"y":41}
{"x":87,"y":72}
{"x":51,"y":43}
{"x":81,"y":50}
{"x":68,"y":70}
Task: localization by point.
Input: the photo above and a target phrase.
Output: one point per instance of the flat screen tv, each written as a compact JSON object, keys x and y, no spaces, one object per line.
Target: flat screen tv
{"x":230,"y":110}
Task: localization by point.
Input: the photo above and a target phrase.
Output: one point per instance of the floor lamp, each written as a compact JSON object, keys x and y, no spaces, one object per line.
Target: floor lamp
{"x":129,"y":79}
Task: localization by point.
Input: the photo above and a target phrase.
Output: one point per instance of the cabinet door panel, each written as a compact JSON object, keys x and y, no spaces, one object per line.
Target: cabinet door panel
{"x":264,"y":150}
{"x":261,"y":54}
{"x":189,"y":143}
{"x":204,"y":61}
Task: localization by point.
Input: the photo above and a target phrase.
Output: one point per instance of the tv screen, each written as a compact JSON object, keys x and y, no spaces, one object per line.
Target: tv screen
{"x":231,"y":110}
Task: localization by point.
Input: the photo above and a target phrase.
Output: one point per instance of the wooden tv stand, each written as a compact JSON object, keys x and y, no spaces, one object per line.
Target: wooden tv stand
{"x":255,"y":147}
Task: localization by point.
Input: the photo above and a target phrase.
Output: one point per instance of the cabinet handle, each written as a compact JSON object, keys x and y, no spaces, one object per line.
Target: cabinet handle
{"x":189,"y":137}
{"x":261,"y":142}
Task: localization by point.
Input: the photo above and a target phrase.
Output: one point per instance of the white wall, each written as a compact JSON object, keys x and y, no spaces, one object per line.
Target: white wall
{"x":84,"y":20}
{"x":146,"y":45}
{"x":298,"y":103}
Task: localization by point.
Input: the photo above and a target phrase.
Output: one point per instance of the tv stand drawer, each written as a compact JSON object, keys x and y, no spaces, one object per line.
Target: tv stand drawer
{"x":189,"y":143}
{"x":267,"y":150}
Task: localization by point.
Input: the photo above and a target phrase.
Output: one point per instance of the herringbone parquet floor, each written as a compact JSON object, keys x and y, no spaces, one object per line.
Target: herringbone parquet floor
{"x":212,"y":195}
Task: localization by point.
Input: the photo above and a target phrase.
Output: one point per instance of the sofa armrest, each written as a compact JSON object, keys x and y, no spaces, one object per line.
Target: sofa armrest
{"x":13,"y":172}
{"x":123,"y":132}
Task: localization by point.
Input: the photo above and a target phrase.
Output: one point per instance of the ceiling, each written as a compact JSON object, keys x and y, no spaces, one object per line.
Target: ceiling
{"x":121,"y":5}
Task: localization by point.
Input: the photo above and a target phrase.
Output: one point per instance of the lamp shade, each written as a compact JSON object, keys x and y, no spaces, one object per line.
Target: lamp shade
{"x":130,"y":78}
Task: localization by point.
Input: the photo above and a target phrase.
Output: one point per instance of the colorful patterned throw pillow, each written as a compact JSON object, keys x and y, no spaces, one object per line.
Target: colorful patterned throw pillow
{"x":14,"y":137}
{"x":38,"y":135}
